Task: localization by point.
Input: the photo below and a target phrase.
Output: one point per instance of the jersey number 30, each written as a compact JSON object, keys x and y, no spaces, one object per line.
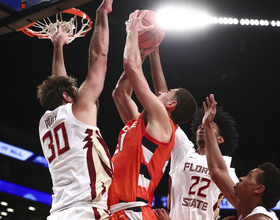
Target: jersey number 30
{"x":58,"y":132}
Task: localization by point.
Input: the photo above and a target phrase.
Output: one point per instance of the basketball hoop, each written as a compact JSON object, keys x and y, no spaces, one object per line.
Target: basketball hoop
{"x":45,"y":28}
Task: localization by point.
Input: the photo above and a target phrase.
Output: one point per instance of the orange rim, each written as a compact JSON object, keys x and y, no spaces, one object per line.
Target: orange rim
{"x":73,"y":11}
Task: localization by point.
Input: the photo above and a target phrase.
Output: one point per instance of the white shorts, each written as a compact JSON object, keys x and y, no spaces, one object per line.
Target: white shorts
{"x":81,"y":213}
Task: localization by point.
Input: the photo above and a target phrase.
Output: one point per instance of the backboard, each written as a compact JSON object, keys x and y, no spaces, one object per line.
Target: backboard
{"x":13,"y":16}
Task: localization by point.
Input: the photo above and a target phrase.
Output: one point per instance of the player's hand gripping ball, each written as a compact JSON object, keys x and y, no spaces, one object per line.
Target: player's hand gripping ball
{"x":153,"y":37}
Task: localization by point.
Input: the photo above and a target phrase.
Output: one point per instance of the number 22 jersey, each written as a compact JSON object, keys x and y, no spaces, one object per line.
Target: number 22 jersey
{"x":192,"y":193}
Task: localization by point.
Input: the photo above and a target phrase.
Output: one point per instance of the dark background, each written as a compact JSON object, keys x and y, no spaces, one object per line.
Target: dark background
{"x":239,"y":64}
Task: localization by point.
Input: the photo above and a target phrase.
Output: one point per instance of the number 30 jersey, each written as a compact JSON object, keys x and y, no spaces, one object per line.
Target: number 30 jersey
{"x":79,"y":160}
{"x":192,"y":193}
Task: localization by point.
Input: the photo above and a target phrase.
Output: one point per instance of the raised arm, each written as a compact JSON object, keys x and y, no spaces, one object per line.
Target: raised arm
{"x":158,"y":124}
{"x":216,"y":164}
{"x":159,"y":82}
{"x":122,"y":93}
{"x":59,"y":40}
{"x":89,"y":92}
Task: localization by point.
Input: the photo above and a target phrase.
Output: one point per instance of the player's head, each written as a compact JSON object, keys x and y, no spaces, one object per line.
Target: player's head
{"x":51,"y":93}
{"x":270,"y":178}
{"x":262,"y":184}
{"x":180,"y":103}
{"x":226,"y":128}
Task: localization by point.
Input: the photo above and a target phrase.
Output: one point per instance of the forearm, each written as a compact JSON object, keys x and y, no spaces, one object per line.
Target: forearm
{"x":132,"y":57}
{"x":92,"y":87}
{"x":133,"y":67}
{"x":217,"y":166}
{"x":159,"y":81}
{"x":99,"y":44}
{"x":98,"y":51}
{"x":215,"y":160}
{"x":58,"y":66}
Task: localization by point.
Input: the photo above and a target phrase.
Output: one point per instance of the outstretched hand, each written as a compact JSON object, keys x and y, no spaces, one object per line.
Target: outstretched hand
{"x":135,"y":23}
{"x":59,"y":38}
{"x":209,"y":110}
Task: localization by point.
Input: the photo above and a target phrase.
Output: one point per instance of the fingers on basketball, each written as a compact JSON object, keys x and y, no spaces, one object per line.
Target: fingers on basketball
{"x":154,"y":34}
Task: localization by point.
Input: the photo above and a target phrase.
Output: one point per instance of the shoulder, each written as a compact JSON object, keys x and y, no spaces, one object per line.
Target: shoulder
{"x":182,"y":137}
{"x":181,"y":134}
{"x":52,"y":115}
{"x":160,"y":128}
{"x":261,"y":213}
{"x":258,"y":217}
{"x":182,"y":141}
{"x":228,"y":160}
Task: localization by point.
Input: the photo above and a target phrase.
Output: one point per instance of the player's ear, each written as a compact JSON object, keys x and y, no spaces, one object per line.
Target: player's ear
{"x":259,"y":189}
{"x":171,"y":105}
{"x":220,"y":140}
{"x":66,"y":98}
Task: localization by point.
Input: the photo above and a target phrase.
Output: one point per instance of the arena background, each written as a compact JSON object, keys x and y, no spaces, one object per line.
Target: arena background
{"x":239,"y":64}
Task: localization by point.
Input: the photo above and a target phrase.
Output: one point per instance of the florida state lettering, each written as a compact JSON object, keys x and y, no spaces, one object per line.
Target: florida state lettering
{"x":196,"y":203}
{"x":196,"y":168}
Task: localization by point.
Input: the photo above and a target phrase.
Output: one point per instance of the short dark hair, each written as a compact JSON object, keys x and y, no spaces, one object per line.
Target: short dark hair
{"x":186,"y":107}
{"x":227,"y":128}
{"x":270,"y":178}
{"x":50,"y":91}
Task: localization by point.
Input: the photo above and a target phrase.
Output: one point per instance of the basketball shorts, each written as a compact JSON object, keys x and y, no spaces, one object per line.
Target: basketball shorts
{"x":137,"y":213}
{"x":81,"y":213}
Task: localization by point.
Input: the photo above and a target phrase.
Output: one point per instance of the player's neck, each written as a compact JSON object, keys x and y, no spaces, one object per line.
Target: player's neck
{"x":201,"y":150}
{"x":246,"y":206}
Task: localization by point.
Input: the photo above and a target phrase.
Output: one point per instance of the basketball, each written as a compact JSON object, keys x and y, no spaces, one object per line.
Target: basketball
{"x":155,"y":36}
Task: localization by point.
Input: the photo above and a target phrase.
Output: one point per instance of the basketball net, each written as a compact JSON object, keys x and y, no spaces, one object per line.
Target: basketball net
{"x":45,"y":28}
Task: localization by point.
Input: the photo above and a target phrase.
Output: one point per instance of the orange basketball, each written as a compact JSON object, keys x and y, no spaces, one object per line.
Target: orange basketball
{"x":155,"y":36}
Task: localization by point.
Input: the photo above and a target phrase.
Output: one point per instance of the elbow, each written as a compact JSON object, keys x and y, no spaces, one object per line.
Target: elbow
{"x":127,"y":65}
{"x":115,"y":93}
{"x":131,"y":66}
{"x":98,"y":59}
{"x":118,"y":93}
{"x":98,"y":53}
{"x":214,"y":176}
{"x":119,"y":96}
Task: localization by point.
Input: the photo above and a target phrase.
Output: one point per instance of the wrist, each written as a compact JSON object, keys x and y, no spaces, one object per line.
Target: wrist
{"x":209,"y":126}
{"x":131,"y":31}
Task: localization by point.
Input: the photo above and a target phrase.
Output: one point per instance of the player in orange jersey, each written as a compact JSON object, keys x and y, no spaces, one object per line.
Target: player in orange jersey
{"x":146,"y":141}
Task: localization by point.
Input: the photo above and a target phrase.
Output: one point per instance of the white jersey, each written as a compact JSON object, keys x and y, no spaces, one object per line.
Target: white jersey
{"x":261,"y":210}
{"x":79,"y":160}
{"x":192,"y":193}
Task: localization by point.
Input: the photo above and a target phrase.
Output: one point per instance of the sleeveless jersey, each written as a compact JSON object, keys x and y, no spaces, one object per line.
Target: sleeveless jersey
{"x":261,"y":210}
{"x":79,"y":161}
{"x":192,"y":193}
{"x":139,"y":163}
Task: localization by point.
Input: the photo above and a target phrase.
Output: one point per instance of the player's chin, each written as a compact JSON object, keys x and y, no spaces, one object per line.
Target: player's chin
{"x":201,"y":141}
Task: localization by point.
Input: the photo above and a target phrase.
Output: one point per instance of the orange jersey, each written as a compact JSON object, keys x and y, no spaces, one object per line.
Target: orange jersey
{"x":139,"y":163}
